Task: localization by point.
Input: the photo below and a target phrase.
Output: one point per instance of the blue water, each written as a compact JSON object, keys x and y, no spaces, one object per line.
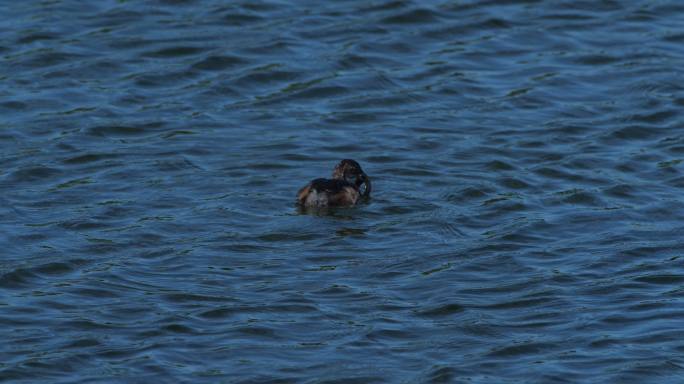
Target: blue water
{"x":525,"y":227}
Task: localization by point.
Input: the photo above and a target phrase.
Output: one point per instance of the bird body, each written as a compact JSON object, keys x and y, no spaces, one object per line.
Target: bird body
{"x":344,"y":189}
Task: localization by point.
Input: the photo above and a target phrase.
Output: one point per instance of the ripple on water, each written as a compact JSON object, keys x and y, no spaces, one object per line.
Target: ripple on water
{"x":418,"y":15}
{"x":173,"y":52}
{"x":18,"y":278}
{"x":219,"y":63}
{"x":124,"y":130}
{"x":34,"y":173}
{"x":89,"y":158}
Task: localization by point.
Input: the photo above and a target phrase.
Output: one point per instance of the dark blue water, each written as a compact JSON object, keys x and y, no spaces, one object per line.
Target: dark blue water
{"x":526,"y":223}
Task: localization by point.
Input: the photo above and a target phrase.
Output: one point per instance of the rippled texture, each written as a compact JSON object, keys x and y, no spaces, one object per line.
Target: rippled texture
{"x":526,"y":223}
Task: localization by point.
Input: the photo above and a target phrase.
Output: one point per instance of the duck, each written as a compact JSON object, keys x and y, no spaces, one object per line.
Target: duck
{"x":343,"y":190}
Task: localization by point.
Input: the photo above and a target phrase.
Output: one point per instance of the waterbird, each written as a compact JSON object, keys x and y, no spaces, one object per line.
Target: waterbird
{"x":344,"y":189}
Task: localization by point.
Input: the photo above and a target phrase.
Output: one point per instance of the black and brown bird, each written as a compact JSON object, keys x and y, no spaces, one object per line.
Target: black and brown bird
{"x":344,"y":189}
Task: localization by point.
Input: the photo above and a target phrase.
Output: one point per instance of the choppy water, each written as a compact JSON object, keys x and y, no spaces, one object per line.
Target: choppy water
{"x":526,"y":224}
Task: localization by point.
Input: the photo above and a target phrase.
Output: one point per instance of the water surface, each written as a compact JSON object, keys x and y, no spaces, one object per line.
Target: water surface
{"x":526,"y":222}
